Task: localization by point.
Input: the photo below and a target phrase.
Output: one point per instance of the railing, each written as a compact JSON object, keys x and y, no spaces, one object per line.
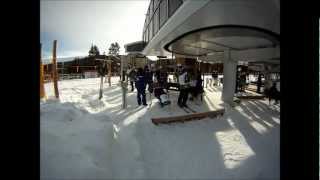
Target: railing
{"x":48,"y":77}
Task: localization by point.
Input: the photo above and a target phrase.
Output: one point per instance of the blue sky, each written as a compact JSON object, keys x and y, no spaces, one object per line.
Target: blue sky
{"x":75,"y":24}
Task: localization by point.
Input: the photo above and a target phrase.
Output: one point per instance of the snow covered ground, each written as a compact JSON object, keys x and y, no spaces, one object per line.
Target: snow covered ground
{"x":85,"y":138}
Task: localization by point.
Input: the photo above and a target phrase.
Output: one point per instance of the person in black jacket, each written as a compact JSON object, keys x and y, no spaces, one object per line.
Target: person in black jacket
{"x":140,"y":83}
{"x":149,"y":78}
{"x":273,"y":93}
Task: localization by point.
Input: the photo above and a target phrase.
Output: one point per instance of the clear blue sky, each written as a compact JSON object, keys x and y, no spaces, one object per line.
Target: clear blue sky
{"x":75,"y":24}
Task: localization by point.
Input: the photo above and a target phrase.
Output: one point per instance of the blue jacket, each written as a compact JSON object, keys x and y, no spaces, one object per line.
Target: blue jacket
{"x":140,"y":81}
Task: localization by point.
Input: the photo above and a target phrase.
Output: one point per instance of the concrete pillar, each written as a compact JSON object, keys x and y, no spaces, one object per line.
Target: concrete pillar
{"x":229,"y":78}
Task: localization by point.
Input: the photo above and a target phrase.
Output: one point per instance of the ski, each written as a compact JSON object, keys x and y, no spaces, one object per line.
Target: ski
{"x":194,"y":111}
{"x":185,"y":109}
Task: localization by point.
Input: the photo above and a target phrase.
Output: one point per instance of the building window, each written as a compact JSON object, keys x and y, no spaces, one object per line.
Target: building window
{"x":156,"y":22}
{"x":155,"y":4}
{"x":163,"y":12}
{"x":151,"y":29}
{"x":174,"y":5}
{"x":149,"y":16}
{"x":151,"y":7}
{"x":147,"y":34}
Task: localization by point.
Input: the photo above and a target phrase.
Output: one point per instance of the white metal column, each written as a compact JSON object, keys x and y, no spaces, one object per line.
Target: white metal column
{"x":229,"y":78}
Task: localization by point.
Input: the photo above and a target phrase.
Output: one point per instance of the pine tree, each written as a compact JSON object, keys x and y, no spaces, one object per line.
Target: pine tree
{"x":114,"y":49}
{"x":94,"y":51}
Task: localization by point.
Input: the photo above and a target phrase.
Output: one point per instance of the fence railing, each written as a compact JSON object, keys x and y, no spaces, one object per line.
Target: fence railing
{"x":48,"y":77}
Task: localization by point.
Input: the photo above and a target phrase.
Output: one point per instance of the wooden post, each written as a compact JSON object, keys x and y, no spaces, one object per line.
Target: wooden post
{"x":42,"y":90}
{"x":109,"y":72}
{"x":54,"y":69}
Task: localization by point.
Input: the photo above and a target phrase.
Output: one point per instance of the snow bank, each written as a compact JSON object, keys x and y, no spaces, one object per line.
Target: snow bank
{"x":74,"y":143}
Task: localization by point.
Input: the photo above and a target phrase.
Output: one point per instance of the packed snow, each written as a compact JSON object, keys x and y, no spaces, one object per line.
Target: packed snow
{"x":86,"y":138}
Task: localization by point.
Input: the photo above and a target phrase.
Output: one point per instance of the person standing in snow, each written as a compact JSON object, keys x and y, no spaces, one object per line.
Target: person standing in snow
{"x":273,"y":93}
{"x":141,"y":87}
{"x":132,"y":75}
{"x":149,"y":78}
{"x":215,"y":78}
{"x":259,"y":83}
{"x":184,"y":87}
{"x":196,"y":86}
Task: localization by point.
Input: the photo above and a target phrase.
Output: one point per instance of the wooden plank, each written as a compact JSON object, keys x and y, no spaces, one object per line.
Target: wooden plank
{"x":251,"y":97}
{"x":189,"y":117}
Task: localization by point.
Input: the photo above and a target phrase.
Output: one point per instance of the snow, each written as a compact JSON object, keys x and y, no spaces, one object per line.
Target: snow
{"x":85,"y":138}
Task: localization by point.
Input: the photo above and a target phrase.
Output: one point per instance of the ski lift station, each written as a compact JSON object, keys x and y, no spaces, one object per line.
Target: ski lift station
{"x":230,"y":32}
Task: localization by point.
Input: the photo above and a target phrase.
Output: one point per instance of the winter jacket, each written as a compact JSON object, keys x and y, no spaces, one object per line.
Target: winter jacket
{"x":184,"y":80}
{"x":148,"y":76}
{"x":140,"y":81}
{"x":132,"y":75}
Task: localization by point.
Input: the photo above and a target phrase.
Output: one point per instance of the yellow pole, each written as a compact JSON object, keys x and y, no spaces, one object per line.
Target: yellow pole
{"x":54,"y":69}
{"x":42,"y":90}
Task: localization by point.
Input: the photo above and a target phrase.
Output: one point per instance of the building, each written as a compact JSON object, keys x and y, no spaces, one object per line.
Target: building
{"x":84,"y":67}
{"x":214,"y":31}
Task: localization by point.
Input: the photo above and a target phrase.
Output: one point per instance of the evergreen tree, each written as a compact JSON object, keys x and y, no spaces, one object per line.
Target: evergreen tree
{"x":94,"y":51}
{"x":114,"y":49}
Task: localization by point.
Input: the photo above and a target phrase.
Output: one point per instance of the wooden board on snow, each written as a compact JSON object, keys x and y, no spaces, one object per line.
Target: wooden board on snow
{"x":188,"y":117}
{"x":250,"y":97}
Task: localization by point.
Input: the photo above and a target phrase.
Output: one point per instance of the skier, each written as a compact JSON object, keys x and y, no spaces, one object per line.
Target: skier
{"x":184,"y":87}
{"x":140,"y":83}
{"x":198,"y":89}
{"x":149,"y":78}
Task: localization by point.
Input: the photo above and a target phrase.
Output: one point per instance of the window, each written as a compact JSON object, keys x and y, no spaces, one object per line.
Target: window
{"x":155,"y":4}
{"x":151,"y":7}
{"x":163,"y":12}
{"x":148,"y":16}
{"x":147,"y":34}
{"x":151,"y":29}
{"x":173,"y":6}
{"x":156,"y":22}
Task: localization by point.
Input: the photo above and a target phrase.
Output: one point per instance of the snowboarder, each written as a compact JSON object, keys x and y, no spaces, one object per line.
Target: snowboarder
{"x":160,"y":94}
{"x":184,"y":87}
{"x":140,"y":83}
{"x":161,"y":75}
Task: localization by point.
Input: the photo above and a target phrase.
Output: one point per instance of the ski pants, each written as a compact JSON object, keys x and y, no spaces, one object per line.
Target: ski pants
{"x":141,"y":94}
{"x":132,"y":87}
{"x":183,"y":96}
